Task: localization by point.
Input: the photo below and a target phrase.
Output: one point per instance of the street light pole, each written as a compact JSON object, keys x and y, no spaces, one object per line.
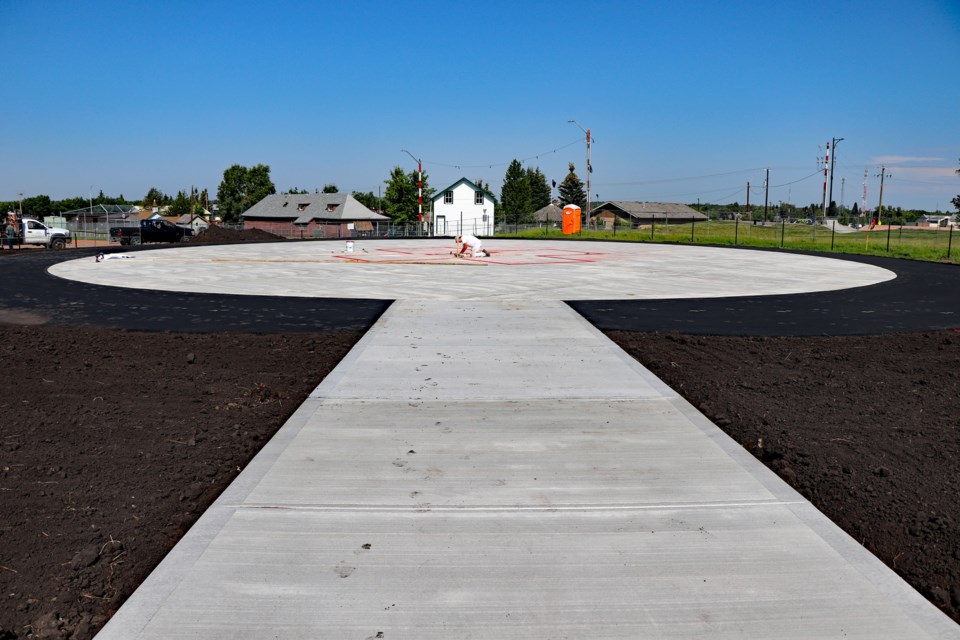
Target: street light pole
{"x":589,"y":166}
{"x":833,"y":159}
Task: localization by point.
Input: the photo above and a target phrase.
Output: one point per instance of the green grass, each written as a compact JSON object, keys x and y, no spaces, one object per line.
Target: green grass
{"x":907,"y":242}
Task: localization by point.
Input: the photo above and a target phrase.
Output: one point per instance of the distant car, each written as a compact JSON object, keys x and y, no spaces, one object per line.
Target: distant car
{"x":150,"y":231}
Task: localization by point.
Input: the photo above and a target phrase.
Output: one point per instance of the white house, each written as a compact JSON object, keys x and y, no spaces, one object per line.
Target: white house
{"x":463,"y":207}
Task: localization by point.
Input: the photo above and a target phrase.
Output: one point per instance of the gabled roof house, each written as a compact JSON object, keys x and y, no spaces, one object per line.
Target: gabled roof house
{"x":463,"y":207}
{"x":314,"y":214}
{"x":647,"y":212}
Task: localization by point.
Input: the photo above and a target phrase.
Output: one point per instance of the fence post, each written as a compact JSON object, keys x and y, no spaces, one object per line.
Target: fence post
{"x":736,"y":230}
{"x":889,"y":227}
{"x":693,"y":226}
{"x":653,"y":223}
{"x":833,"y":234}
{"x":783,"y":230}
{"x":949,"y":241}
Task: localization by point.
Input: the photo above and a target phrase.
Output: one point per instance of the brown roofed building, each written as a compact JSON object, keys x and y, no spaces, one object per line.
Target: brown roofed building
{"x":647,"y":212}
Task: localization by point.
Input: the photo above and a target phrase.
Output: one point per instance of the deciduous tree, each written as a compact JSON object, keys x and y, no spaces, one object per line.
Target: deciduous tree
{"x":367,"y":199}
{"x":180,"y":205}
{"x":400,"y":197}
{"x":241,"y":188}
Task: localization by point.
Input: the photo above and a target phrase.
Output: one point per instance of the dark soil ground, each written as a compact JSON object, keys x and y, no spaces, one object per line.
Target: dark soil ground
{"x":114,"y":442}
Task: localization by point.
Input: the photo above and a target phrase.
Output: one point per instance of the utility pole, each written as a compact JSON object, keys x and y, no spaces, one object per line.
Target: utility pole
{"x":863,"y":202}
{"x":589,"y":166}
{"x":843,"y":186}
{"x":419,"y":188}
{"x":766,"y":193}
{"x":826,"y":167}
{"x":883,"y":174}
{"x":836,"y":141}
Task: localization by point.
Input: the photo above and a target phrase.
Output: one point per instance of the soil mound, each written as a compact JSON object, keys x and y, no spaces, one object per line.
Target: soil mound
{"x":220,"y":235}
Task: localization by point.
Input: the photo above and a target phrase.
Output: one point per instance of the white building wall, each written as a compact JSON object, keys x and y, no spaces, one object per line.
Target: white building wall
{"x":477,"y":219}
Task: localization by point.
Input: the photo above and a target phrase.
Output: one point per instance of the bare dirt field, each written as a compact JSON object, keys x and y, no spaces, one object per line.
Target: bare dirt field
{"x":114,"y":442}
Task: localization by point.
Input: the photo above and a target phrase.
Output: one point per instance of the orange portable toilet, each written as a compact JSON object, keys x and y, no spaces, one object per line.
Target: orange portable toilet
{"x":571,"y":219}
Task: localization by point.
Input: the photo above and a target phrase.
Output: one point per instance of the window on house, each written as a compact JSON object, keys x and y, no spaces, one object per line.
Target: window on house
{"x":478,"y":197}
{"x":332,"y":207}
{"x":303,"y":206}
{"x":448,"y":197}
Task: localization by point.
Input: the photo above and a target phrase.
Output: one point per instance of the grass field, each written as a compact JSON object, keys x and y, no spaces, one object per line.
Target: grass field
{"x":935,"y":245}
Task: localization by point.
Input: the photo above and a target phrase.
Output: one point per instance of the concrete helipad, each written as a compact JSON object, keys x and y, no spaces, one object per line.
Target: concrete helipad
{"x":486,"y":464}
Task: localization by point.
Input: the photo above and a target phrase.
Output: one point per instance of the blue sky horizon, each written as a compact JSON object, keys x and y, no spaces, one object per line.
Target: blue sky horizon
{"x":686,"y":100}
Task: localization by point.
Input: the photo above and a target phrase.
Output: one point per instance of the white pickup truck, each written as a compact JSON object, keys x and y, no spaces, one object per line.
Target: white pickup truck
{"x":35,"y":232}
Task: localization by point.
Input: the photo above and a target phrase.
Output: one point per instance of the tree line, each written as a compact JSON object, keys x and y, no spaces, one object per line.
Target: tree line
{"x":524,"y":191}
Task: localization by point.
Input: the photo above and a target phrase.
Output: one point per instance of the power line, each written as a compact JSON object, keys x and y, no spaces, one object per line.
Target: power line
{"x":491,"y":165}
{"x":660,"y":180}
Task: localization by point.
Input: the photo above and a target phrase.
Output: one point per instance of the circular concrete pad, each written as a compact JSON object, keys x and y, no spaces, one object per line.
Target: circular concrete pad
{"x":425,"y":269}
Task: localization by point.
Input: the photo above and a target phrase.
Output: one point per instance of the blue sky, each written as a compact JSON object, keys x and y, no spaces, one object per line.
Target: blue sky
{"x":685,"y":99}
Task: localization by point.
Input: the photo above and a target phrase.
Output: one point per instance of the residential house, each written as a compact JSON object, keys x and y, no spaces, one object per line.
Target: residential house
{"x":643,"y":213}
{"x":463,"y":207}
{"x":198,"y":222}
{"x":314,"y":215}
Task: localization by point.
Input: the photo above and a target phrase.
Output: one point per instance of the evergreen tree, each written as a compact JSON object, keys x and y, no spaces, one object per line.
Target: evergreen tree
{"x":515,"y":194}
{"x":540,"y":194}
{"x":571,"y":190}
{"x":156,"y":198}
{"x":330,"y":188}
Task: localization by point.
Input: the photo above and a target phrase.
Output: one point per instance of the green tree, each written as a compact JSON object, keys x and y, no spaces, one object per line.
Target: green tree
{"x":571,"y":190}
{"x":515,"y":193}
{"x":330,"y":188}
{"x":34,"y":207}
{"x":241,"y":188}
{"x":367,"y":199}
{"x":296,"y":191}
{"x":540,"y":194}
{"x":180,"y":205}
{"x":157,"y":198}
{"x":400,"y":196}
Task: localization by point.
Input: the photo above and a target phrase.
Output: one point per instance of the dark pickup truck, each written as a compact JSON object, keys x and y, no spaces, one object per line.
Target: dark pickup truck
{"x":150,"y":231}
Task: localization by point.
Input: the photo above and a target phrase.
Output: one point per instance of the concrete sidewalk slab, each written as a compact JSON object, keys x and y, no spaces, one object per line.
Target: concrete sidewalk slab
{"x":500,"y":469}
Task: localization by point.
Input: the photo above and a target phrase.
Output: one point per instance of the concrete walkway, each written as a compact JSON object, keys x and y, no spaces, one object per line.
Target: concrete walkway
{"x":485,"y":464}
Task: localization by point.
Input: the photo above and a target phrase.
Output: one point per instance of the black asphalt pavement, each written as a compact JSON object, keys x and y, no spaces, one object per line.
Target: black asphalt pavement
{"x":31,"y":290}
{"x":924,"y":296}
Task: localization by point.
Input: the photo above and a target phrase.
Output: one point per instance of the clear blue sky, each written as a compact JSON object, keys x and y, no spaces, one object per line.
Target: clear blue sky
{"x":124,"y":96}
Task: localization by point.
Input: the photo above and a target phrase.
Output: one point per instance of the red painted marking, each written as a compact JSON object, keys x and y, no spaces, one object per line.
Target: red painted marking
{"x":501,"y":257}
